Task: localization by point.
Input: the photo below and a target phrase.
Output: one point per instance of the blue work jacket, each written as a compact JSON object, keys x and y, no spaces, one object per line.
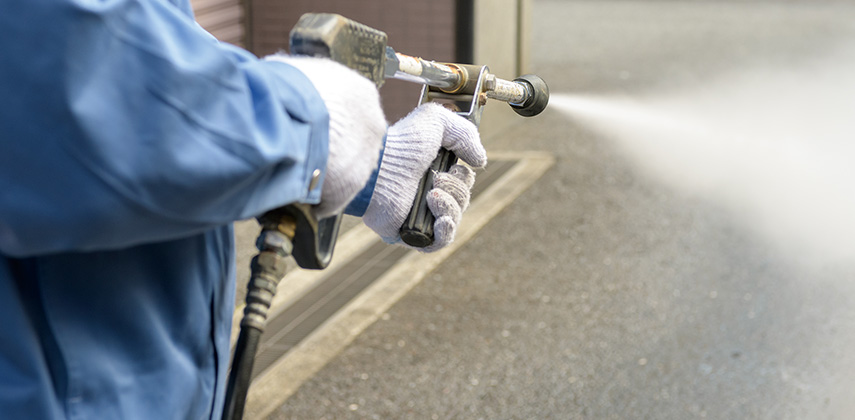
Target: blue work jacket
{"x":130,"y":140}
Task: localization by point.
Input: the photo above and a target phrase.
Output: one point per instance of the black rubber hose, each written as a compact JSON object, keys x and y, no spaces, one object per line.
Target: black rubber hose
{"x":240,"y":375}
{"x":268,"y":267}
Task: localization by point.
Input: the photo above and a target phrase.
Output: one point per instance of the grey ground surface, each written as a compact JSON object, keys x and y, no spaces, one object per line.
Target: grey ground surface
{"x":602,"y":293}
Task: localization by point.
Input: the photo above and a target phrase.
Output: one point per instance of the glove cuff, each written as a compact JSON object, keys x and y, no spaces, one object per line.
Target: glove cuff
{"x":359,"y":204}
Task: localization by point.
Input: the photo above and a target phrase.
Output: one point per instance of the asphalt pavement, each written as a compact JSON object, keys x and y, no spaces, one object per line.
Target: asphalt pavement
{"x":609,"y":290}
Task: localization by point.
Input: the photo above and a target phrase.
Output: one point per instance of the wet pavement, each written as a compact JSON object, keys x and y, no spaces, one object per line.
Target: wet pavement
{"x":604,"y":292}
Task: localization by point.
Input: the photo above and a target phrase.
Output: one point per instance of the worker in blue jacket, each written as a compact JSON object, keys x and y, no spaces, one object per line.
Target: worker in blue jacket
{"x":130,"y":140}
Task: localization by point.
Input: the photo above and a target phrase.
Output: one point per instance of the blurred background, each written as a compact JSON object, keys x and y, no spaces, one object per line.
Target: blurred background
{"x":691,"y":254}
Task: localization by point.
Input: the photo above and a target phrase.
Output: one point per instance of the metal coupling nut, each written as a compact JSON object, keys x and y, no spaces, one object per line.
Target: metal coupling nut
{"x":272,"y":263}
{"x":274,"y":240}
{"x":490,"y":82}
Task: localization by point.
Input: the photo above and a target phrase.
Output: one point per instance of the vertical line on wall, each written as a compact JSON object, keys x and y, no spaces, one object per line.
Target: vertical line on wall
{"x":464,"y":44}
{"x":247,"y":26}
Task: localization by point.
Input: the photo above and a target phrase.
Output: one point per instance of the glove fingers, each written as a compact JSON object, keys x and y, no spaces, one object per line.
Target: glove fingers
{"x":443,"y":233}
{"x":461,"y":137}
{"x":463,"y":173}
{"x":442,"y":204}
{"x":411,"y":145}
{"x":457,"y":183}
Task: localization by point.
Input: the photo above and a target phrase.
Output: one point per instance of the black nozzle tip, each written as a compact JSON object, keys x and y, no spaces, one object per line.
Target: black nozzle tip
{"x":536,"y":103}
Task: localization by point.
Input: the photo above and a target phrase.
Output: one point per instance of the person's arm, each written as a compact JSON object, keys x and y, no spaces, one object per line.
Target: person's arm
{"x":123,"y":122}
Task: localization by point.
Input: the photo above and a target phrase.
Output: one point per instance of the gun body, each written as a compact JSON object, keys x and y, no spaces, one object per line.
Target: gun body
{"x":464,"y":88}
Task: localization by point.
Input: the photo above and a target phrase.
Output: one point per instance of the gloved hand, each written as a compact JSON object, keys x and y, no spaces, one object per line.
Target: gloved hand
{"x":411,"y":145}
{"x":357,"y":125}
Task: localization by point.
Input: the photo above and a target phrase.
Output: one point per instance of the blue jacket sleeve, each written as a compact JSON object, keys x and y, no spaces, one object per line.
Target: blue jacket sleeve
{"x":123,"y":122}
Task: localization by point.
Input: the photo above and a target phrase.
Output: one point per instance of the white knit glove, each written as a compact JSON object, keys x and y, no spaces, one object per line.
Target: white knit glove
{"x":411,"y":145}
{"x":357,"y":125}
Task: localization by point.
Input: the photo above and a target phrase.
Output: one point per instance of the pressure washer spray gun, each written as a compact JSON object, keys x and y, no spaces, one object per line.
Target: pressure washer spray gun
{"x":292,"y":230}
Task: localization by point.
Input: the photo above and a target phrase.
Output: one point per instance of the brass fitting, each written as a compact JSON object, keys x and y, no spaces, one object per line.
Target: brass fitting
{"x":462,"y":77}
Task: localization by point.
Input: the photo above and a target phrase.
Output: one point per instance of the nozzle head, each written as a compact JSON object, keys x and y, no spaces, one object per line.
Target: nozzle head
{"x":538,"y":98}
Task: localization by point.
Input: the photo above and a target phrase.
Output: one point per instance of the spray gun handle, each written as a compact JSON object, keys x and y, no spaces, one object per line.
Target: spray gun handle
{"x":417,"y":230}
{"x":468,"y":102}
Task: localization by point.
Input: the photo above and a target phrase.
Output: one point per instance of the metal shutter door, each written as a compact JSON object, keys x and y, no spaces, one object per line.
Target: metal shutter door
{"x":423,"y":28}
{"x":223,"y":18}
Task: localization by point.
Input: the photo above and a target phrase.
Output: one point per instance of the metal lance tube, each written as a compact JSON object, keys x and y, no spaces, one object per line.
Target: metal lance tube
{"x":528,"y":94}
{"x":417,"y":70}
{"x":514,"y":93}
